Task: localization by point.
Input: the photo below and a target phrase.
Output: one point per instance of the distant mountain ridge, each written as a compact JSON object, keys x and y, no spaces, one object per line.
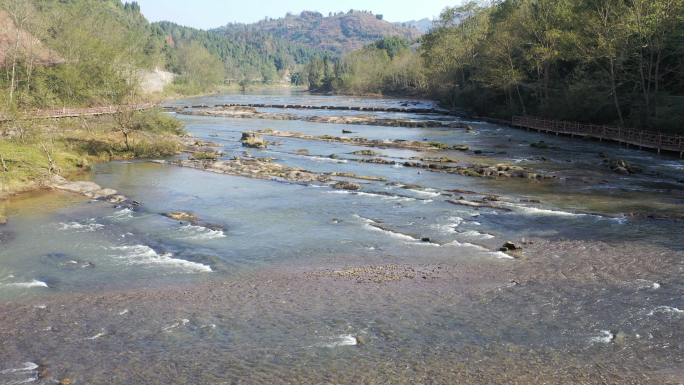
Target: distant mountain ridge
{"x":423,"y":25}
{"x":339,"y":33}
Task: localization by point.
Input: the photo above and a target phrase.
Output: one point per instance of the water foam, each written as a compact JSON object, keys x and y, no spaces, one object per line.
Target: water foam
{"x":176,"y":323}
{"x":29,"y":366}
{"x":341,"y":340}
{"x":605,"y":337}
{"x":34,"y":283}
{"x":324,"y":159}
{"x":144,"y":255}
{"x":428,"y":193}
{"x":484,"y":250}
{"x":98,"y":335}
{"x":80,"y":227}
{"x":476,"y":234}
{"x":381,"y":196}
{"x":457,"y":220}
{"x":444,"y":229}
{"x":500,"y":255}
{"x":390,"y":233}
{"x":122,"y":214}
{"x":536,"y":211}
{"x":666,"y":310}
{"x":193,"y":232}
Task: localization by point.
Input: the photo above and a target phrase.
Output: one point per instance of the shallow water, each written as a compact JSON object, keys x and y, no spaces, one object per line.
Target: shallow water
{"x":254,"y":293}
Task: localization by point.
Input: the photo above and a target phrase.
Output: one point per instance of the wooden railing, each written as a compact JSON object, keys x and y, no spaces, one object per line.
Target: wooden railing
{"x":66,"y":112}
{"x":648,"y":139}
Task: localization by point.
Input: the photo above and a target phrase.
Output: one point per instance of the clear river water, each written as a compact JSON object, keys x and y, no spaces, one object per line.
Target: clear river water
{"x":287,"y":282}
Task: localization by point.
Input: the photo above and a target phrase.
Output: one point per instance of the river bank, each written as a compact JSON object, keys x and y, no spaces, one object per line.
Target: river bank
{"x":33,"y":151}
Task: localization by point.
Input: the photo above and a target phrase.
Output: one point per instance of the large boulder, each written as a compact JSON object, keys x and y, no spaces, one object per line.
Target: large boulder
{"x":510,"y":246}
{"x":345,"y":185}
{"x":250,"y":139}
{"x":621,"y":166}
{"x":101,"y":193}
{"x":181,"y":216}
{"x":80,"y":187}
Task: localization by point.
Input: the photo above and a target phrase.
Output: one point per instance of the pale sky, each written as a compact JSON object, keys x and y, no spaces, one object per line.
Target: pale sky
{"x":207,"y":14}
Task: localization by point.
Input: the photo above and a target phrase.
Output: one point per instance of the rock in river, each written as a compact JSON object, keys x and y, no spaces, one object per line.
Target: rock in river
{"x":89,"y":189}
{"x":344,"y":185}
{"x":250,"y":139}
{"x":511,"y":246}
{"x":181,"y":216}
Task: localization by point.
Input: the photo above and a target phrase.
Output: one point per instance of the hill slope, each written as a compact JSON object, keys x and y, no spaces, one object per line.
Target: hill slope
{"x":245,"y":53}
{"x":422,"y":25}
{"x":340,"y":33}
{"x":29,"y":48}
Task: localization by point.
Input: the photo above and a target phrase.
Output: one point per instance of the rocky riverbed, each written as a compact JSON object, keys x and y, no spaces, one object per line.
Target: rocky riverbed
{"x":241,"y":112}
{"x":73,"y":337}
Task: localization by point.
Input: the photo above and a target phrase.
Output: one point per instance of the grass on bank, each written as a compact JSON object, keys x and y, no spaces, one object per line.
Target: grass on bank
{"x":31,"y":151}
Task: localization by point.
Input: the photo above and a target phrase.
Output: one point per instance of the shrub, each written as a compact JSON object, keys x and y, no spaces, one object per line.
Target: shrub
{"x":203,"y":156}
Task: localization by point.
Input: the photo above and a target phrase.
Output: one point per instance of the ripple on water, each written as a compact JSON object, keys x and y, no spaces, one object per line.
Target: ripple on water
{"x":80,"y":227}
{"x":196,"y":233}
{"x":11,"y":281}
{"x":667,"y":310}
{"x":145,"y":255}
{"x":337,"y":341}
{"x":605,"y":337}
{"x":21,"y":375}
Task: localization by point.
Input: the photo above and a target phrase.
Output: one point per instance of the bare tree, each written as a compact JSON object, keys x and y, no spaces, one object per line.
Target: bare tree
{"x":22,"y":14}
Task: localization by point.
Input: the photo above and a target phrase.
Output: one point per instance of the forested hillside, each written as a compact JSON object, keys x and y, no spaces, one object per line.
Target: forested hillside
{"x":338,"y":32}
{"x":601,"y":61}
{"x":243,"y":54}
{"x":78,"y":53}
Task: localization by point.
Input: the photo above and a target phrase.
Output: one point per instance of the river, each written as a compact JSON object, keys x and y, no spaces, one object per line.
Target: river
{"x":286,"y":282}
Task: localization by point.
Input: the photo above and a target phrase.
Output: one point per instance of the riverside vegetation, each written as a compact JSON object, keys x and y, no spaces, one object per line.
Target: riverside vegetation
{"x":600,"y":61}
{"x":32,"y":151}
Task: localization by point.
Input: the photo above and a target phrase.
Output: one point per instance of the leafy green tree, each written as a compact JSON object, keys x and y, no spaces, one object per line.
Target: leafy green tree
{"x":199,"y":66}
{"x":652,"y":24}
{"x":450,"y":50}
{"x":605,"y":43}
{"x":394,"y":45}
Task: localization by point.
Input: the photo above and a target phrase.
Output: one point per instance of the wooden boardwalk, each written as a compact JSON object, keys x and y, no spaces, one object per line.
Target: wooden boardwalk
{"x":75,"y":112}
{"x":316,"y":107}
{"x":643,"y":139}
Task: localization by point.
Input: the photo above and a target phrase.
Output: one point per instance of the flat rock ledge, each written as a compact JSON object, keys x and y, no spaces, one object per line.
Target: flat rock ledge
{"x":252,"y":168}
{"x":262,"y":168}
{"x":356,"y":141}
{"x":360,"y":119}
{"x":89,"y":189}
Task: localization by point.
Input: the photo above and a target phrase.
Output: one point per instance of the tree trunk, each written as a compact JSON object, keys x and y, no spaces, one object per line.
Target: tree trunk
{"x":2,"y":160}
{"x":656,"y":81}
{"x":14,"y":64}
{"x":613,"y":89}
